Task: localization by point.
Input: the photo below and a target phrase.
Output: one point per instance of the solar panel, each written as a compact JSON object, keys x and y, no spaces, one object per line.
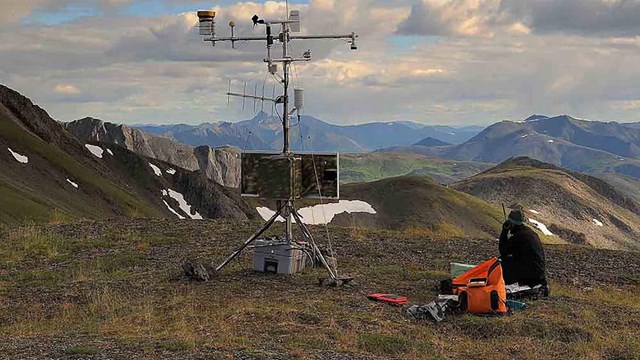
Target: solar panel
{"x":282,"y":176}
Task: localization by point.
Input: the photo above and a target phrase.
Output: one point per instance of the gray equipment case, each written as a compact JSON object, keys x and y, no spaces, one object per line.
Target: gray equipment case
{"x":277,"y":256}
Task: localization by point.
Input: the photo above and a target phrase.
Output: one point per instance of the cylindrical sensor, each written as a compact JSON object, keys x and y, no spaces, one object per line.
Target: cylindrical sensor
{"x":298,"y":98}
{"x":207,"y":23}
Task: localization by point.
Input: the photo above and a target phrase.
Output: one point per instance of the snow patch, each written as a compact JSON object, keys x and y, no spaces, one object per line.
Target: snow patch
{"x":110,"y":152}
{"x":173,"y":211}
{"x":184,"y":206}
{"x":542,"y":227}
{"x":598,"y":222}
{"x":323,"y":214}
{"x":19,"y":158}
{"x":156,"y":170}
{"x":95,"y":150}
{"x":534,"y":211}
{"x":72,"y":183}
{"x":171,"y":171}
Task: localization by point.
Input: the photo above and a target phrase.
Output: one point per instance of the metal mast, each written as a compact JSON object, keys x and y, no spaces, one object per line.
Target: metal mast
{"x":288,"y":27}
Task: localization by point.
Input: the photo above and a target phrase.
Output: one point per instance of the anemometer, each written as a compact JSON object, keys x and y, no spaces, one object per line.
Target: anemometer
{"x":288,"y":28}
{"x":286,"y":176}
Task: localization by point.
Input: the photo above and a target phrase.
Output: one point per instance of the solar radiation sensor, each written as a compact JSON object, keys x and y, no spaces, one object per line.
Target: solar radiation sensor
{"x":285,"y":176}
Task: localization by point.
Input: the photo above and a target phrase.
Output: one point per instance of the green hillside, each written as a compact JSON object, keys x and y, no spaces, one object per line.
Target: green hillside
{"x":38,"y":189}
{"x":420,"y":203}
{"x":55,"y":177}
{"x":379,"y":165}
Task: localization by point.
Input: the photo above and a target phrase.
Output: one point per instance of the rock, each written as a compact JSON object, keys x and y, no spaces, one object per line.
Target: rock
{"x":195,"y":271}
{"x":221,"y":165}
{"x":157,"y":147}
{"x":342,"y":280}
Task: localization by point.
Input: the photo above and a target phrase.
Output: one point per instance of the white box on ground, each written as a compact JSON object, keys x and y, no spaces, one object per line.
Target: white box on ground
{"x":277,"y":257}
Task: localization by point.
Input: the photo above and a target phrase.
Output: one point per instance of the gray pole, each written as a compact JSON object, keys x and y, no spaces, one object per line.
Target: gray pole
{"x":286,"y":149}
{"x":285,"y":83}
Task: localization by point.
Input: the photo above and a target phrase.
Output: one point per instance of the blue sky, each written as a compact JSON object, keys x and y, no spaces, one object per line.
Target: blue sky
{"x":431,"y":61}
{"x":143,"y":8}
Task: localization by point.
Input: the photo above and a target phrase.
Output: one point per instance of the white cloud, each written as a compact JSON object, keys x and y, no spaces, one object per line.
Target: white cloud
{"x":482,"y":60}
{"x":66,"y":89}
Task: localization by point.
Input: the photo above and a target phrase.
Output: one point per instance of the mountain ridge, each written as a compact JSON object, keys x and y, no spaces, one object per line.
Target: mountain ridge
{"x":263,"y":132}
{"x":48,"y":175}
{"x":580,"y":145}
{"x":220,"y":165}
{"x":576,"y":207}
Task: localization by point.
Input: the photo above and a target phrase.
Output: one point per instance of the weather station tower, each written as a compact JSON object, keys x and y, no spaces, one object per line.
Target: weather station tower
{"x":286,"y":176}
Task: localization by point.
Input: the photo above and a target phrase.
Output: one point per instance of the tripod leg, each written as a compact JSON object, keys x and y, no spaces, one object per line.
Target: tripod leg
{"x":253,"y":237}
{"x":306,"y":231}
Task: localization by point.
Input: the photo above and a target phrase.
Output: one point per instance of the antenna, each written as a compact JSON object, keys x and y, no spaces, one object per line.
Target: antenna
{"x":289,"y":29}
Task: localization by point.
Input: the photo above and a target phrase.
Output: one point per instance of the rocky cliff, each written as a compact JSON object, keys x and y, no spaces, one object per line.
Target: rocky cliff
{"x":221,"y":165}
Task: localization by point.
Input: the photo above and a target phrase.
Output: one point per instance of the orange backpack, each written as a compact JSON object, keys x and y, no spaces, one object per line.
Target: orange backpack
{"x":481,"y":290}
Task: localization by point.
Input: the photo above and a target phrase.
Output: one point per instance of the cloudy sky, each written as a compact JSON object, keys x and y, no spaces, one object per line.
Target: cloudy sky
{"x":431,"y":61}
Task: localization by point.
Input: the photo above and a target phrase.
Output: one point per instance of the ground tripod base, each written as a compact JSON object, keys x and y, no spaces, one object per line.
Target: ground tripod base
{"x":339,"y":281}
{"x":289,"y":211}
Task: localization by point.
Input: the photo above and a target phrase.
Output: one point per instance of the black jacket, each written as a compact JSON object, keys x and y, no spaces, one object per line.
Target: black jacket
{"x":522,"y":256}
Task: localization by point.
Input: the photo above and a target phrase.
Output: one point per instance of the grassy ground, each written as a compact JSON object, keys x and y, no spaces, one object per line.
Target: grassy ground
{"x":113,"y":290}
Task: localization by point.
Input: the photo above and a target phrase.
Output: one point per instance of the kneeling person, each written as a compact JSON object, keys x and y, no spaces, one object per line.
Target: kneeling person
{"x":523,"y":259}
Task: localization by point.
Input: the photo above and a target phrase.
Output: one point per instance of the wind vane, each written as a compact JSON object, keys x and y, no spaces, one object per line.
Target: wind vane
{"x":286,"y":176}
{"x":288,"y":27}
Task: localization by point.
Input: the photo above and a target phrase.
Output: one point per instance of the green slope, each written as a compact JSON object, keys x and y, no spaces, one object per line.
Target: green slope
{"x":98,"y":196}
{"x":414,"y":202}
{"x":379,"y":165}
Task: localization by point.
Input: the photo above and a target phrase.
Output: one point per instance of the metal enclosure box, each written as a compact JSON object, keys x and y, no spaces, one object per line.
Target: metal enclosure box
{"x":271,"y":176}
{"x":323,"y":170}
{"x":280,"y":177}
{"x":277,"y":257}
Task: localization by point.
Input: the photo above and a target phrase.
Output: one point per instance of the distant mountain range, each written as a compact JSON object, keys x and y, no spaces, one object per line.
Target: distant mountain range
{"x":563,"y":206}
{"x":264,"y":132}
{"x":580,"y":145}
{"x":53,"y":172}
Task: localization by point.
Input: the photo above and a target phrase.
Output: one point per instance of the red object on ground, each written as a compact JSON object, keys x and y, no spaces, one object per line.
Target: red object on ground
{"x":389,"y":299}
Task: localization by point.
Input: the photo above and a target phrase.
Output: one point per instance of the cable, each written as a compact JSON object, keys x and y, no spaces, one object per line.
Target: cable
{"x":246,"y":141}
{"x":324,"y":215}
{"x":264,"y":81}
